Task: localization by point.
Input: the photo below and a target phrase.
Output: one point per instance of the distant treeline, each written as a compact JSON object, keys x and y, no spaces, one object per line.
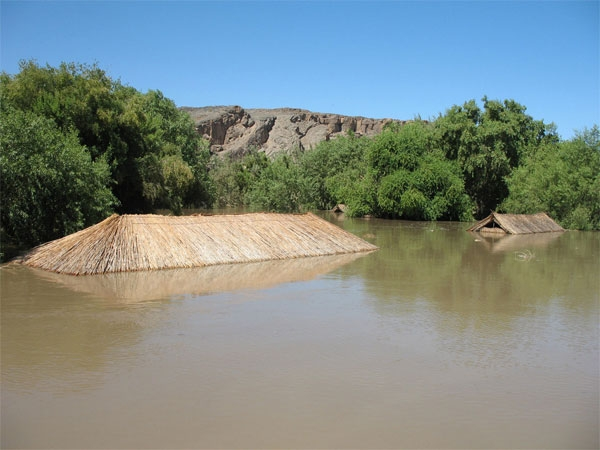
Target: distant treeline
{"x":77,"y":146}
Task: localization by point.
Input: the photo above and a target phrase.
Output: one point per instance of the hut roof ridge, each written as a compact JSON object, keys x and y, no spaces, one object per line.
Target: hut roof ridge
{"x":133,"y":242}
{"x":518,"y":223}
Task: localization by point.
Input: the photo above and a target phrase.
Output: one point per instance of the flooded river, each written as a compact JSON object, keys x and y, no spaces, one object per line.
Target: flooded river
{"x":441,"y":339}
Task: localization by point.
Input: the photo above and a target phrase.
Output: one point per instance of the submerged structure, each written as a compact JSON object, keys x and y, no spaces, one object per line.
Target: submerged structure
{"x":149,"y":242}
{"x":516,"y":224}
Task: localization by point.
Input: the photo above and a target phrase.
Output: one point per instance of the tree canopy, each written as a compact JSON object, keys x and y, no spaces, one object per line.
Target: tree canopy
{"x":561,"y":179}
{"x":72,"y":132}
{"x":156,"y":158}
{"x":488,"y":144}
{"x":50,"y":185}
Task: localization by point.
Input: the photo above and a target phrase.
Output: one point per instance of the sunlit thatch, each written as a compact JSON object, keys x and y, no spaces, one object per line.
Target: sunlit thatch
{"x":148,"y":242}
{"x":516,"y":224}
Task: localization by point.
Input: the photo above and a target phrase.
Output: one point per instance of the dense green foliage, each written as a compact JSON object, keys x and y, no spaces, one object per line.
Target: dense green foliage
{"x":460,"y":166}
{"x":282,"y":186}
{"x":335,"y":167}
{"x":76,"y":145}
{"x":156,"y":158}
{"x":562,"y":179}
{"x":50,"y":185}
{"x":414,"y":179}
{"x":488,"y":144}
{"x":233,"y":177}
{"x":100,"y":135}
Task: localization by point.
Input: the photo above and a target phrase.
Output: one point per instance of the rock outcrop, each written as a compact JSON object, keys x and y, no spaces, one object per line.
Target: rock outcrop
{"x":233,"y":129}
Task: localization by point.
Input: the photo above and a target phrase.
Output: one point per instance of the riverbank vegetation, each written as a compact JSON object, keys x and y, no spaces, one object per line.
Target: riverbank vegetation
{"x":77,"y":145}
{"x":461,"y":166}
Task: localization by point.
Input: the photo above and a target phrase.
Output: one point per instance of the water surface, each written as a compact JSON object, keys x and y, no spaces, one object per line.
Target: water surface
{"x":441,"y":339}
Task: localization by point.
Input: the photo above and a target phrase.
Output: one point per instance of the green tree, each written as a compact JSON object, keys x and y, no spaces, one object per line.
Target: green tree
{"x":233,"y":176}
{"x":434,"y":190}
{"x":50,"y":186}
{"x":414,"y":180}
{"x":562,"y":179}
{"x":329,"y":163}
{"x":356,"y":187}
{"x":399,"y":147}
{"x":150,"y":145}
{"x":76,"y":96}
{"x":488,"y":144}
{"x":173,"y":162}
{"x":281,"y":187}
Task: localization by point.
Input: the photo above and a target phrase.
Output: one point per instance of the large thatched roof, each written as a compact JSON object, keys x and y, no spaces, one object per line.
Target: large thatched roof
{"x":146,"y":242}
{"x":517,"y":224}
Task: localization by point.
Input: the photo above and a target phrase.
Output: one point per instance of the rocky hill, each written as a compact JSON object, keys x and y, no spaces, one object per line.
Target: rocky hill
{"x":233,"y":129}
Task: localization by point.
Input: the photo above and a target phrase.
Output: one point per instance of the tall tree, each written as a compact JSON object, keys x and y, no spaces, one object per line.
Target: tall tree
{"x":488,"y":144}
{"x":562,"y":179}
{"x":156,"y":158}
{"x":415,"y":180}
{"x":49,"y":185}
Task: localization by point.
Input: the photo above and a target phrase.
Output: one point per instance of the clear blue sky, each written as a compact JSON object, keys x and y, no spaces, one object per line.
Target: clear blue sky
{"x":394,"y":59}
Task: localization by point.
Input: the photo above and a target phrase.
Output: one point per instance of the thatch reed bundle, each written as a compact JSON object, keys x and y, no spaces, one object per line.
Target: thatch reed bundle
{"x":150,"y":242}
{"x":517,"y":224}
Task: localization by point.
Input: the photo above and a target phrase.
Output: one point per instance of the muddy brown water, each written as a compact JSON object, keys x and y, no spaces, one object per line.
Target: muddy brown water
{"x":441,"y":339}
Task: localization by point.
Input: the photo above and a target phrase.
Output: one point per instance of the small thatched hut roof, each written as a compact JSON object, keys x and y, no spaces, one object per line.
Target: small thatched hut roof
{"x":146,"y":242}
{"x":516,"y":224}
{"x":339,"y":208}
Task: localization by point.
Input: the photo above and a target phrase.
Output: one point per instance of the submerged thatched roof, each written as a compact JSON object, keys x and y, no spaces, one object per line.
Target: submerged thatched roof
{"x":146,"y":242}
{"x":517,"y":224}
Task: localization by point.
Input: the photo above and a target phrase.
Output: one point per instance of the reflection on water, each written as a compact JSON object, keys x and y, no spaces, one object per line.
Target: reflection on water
{"x":441,"y":339}
{"x":515,"y":242}
{"x":149,"y":285}
{"x":63,"y":323}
